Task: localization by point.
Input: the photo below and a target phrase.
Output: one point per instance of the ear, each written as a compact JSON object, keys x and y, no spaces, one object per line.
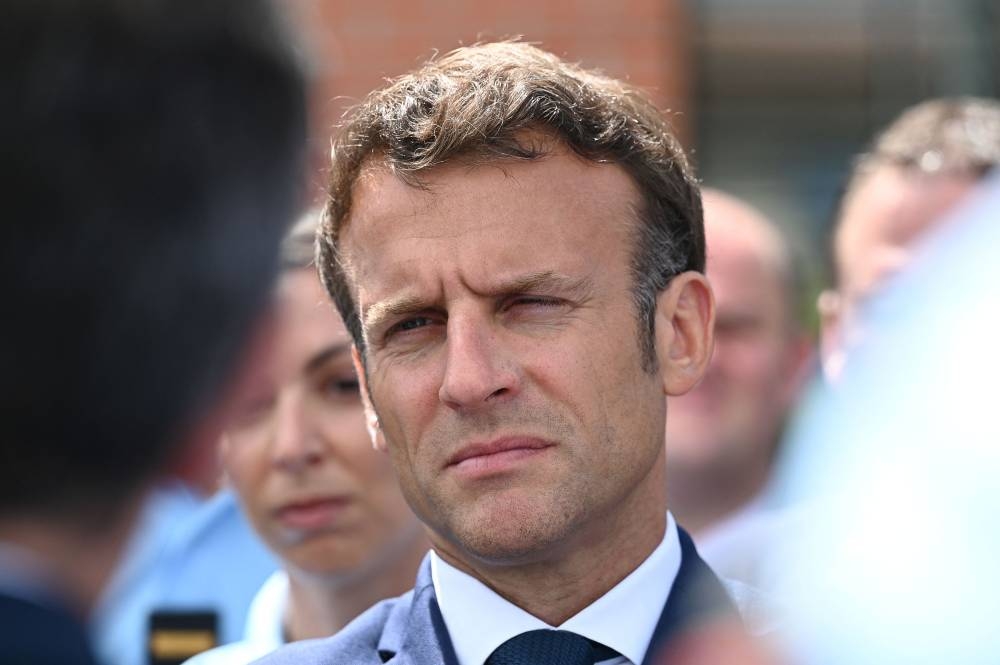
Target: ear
{"x":830,"y":306}
{"x":685,"y":321}
{"x":371,"y":418}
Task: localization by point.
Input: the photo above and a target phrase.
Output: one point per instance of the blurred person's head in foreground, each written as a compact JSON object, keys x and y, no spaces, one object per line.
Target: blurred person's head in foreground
{"x":916,"y":171}
{"x":152,"y":157}
{"x":723,"y":435}
{"x":897,"y":563}
{"x":301,"y":460}
{"x":516,"y":247}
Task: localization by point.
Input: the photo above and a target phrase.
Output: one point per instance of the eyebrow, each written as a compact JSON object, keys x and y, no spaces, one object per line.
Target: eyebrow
{"x":545,"y":280}
{"x":391,"y":309}
{"x":318,"y":359}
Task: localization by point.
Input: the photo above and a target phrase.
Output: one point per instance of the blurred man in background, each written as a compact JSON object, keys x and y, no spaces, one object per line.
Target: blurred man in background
{"x":917,"y":170}
{"x":722,"y":437}
{"x":152,"y":158}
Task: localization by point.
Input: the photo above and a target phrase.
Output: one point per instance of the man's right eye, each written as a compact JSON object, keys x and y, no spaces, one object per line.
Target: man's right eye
{"x":407,"y":325}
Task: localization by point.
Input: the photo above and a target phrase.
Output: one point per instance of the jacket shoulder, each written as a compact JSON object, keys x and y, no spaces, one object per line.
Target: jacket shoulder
{"x":357,"y":643}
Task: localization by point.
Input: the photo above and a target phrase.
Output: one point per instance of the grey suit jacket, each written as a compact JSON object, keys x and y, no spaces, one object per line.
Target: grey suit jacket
{"x":409,"y":630}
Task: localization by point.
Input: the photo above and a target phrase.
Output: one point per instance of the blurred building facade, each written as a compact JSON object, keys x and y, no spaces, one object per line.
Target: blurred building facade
{"x":356,"y":45}
{"x":785,"y":92}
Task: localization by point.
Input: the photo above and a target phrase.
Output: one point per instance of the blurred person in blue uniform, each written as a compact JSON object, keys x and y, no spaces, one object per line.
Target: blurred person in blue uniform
{"x":300,"y":458}
{"x":152,"y":156}
{"x":181,"y":564}
{"x":723,"y":436}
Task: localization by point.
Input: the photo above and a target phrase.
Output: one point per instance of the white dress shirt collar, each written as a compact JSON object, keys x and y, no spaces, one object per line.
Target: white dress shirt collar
{"x":624,"y":618}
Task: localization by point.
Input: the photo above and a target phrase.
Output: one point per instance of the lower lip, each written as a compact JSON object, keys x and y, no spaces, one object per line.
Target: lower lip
{"x":496,"y":463}
{"x":312,"y":516}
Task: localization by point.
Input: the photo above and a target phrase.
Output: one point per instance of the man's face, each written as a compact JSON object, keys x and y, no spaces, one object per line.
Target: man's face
{"x":880,"y":224}
{"x":299,"y":455}
{"x":730,"y":422}
{"x":502,"y":352}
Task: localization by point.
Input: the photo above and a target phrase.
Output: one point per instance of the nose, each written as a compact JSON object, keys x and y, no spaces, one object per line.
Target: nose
{"x":477,"y":371}
{"x":296,"y":445}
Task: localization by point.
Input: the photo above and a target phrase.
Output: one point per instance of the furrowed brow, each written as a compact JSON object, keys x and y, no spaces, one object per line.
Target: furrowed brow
{"x":546,"y":281}
{"x":378,"y":313}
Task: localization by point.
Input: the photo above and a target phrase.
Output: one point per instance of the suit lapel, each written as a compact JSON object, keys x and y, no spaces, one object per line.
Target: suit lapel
{"x":697,"y":594}
{"x":417,"y":635}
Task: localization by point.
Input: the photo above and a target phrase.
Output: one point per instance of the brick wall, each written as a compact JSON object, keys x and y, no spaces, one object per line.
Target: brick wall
{"x":356,"y":44}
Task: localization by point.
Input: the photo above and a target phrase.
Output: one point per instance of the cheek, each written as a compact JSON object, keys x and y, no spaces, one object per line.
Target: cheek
{"x":387,"y":494}
{"x":368,"y":465}
{"x":406,"y":400}
{"x":748,"y":362}
{"x":247,"y":469}
{"x":246,"y":465}
{"x":371,"y":469}
{"x":345,"y":434}
{"x":601,"y":390}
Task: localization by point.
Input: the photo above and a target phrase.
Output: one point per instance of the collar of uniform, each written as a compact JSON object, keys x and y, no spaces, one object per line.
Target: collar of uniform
{"x":624,"y":618}
{"x":266,"y":617}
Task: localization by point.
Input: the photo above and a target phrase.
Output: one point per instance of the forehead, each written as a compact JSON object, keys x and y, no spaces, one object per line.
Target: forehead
{"x":738,"y":235}
{"x":474,"y":223}
{"x":306,"y":319}
{"x":747,"y":257}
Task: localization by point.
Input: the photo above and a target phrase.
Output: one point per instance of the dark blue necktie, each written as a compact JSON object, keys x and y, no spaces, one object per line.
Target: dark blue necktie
{"x":549,"y":647}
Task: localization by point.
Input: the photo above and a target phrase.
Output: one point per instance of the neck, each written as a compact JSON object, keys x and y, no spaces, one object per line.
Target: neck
{"x":319,"y":606}
{"x":574,"y":574}
{"x":700,"y":500}
{"x":70,"y":560}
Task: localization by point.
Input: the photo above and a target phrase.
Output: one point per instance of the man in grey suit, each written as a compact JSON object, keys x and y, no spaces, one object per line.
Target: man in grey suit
{"x":516,"y":246}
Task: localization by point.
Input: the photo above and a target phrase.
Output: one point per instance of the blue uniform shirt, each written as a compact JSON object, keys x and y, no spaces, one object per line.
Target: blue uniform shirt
{"x":188,"y":554}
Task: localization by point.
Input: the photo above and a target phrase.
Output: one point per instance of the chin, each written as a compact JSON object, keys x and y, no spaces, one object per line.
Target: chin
{"x":496,"y":549}
{"x":512,"y":531}
{"x":324,"y":559}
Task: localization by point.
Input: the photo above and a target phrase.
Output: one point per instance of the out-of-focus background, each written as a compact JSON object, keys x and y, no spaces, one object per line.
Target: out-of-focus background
{"x":771,"y":97}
